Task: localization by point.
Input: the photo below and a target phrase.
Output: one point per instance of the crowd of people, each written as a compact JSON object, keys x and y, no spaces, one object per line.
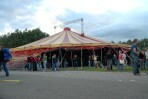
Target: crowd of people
{"x":119,"y":60}
{"x":139,"y":60}
{"x":40,"y":62}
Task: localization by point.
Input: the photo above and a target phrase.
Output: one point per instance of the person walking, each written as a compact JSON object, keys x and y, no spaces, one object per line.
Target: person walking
{"x":134,"y":55}
{"x":3,"y":62}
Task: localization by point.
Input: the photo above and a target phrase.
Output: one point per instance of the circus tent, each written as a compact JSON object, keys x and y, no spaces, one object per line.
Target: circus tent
{"x":64,"y":39}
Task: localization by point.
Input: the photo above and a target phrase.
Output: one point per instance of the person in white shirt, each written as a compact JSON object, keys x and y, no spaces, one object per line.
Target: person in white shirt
{"x":146,"y":61}
{"x":124,"y":57}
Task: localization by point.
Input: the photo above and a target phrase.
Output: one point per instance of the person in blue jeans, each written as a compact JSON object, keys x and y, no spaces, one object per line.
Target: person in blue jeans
{"x":134,"y":55}
{"x":54,"y":63}
{"x":45,"y":61}
{"x":3,"y":63}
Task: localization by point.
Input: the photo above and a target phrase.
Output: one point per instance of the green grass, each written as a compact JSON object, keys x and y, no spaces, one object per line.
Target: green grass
{"x":126,"y":69}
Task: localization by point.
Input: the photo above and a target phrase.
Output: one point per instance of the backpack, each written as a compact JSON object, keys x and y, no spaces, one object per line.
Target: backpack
{"x":7,"y":54}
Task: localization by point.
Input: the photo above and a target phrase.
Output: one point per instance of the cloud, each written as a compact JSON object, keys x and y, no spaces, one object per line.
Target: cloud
{"x":16,"y":14}
{"x":124,"y":27}
{"x":108,"y":19}
{"x":112,"y":25}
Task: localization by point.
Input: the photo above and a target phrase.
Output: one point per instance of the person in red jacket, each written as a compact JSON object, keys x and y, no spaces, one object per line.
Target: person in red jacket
{"x":121,"y":61}
{"x":39,"y":63}
{"x":30,"y":62}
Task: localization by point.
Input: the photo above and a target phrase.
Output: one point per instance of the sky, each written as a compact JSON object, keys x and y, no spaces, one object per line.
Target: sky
{"x":108,"y":20}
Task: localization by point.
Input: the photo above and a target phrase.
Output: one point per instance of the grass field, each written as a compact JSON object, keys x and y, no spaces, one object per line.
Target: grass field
{"x":126,"y":69}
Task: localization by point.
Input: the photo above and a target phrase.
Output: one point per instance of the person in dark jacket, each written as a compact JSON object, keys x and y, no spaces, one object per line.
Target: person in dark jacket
{"x":109,"y":57}
{"x":3,"y":63}
{"x":135,"y":58}
{"x":75,"y":61}
{"x":141,"y":60}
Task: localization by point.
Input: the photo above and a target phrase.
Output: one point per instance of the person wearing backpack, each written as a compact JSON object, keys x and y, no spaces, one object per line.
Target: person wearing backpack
{"x":5,"y":57}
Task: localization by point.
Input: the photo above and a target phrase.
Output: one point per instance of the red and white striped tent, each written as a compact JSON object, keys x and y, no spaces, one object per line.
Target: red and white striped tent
{"x":64,"y":39}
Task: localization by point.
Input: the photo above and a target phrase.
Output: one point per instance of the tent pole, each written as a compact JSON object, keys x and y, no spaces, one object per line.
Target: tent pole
{"x":64,"y":56}
{"x":61,"y":56}
{"x":25,"y":53}
{"x":101,"y":55}
{"x":50,"y":61}
{"x":71,"y":58}
{"x":81,"y":57}
{"x":14,"y":62}
{"x":115,"y":51}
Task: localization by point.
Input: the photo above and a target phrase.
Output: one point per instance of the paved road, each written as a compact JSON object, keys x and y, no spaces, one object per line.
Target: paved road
{"x":73,"y":85}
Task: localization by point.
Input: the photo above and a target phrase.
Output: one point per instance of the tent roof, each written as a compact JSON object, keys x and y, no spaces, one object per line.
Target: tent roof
{"x":66,"y":38}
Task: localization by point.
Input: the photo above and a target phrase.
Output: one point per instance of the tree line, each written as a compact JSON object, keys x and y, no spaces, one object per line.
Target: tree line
{"x":18,"y":38}
{"x":143,"y":43}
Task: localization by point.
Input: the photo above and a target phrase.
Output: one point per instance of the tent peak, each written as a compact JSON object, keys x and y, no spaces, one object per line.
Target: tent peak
{"x":67,"y":29}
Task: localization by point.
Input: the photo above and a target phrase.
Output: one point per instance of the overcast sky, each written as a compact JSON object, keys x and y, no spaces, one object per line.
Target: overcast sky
{"x":109,"y":20}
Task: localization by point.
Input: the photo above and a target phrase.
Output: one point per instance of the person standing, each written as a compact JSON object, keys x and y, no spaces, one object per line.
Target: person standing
{"x":146,"y":59}
{"x":134,"y":55}
{"x":45,"y":61}
{"x":141,"y":60}
{"x":54,"y":62}
{"x":124,"y":57}
{"x":115,"y":60}
{"x":89,"y":60}
{"x":30,"y":62}
{"x":109,"y":57}
{"x":75,"y":61}
{"x":121,"y":61}
{"x":65,"y":63}
{"x":3,"y":62}
{"x":95,"y":58}
{"x":39,"y":63}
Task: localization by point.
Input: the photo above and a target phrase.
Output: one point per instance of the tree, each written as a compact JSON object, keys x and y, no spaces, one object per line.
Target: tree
{"x":18,"y":38}
{"x":143,"y":43}
{"x":112,"y":42}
